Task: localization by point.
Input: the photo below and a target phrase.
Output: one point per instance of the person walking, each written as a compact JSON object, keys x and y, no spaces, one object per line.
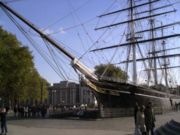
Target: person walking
{"x":26,"y":110}
{"x":140,"y":121}
{"x":149,"y":118}
{"x":3,"y":121}
{"x":135,"y":111}
{"x":15,"y":111}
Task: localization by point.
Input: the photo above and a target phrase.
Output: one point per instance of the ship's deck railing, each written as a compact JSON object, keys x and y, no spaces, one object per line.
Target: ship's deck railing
{"x":112,"y":79}
{"x":118,"y":80}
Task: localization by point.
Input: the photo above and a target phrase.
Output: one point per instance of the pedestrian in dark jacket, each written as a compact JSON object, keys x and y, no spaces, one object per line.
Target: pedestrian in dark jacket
{"x":149,"y":119}
{"x":135,"y":111}
{"x":3,"y":120}
{"x":15,"y":111}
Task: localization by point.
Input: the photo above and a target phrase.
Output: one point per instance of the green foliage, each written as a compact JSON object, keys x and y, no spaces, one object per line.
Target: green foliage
{"x":110,"y":71}
{"x":19,"y":81}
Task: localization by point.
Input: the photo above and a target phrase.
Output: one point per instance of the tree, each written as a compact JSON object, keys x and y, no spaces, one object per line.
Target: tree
{"x":17,"y":70}
{"x":36,"y":87}
{"x":110,"y":71}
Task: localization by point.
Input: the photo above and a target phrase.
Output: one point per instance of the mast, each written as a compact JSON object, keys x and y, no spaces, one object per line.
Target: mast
{"x":74,"y":61}
{"x":152,"y":25}
{"x":165,"y":62}
{"x":132,"y":40}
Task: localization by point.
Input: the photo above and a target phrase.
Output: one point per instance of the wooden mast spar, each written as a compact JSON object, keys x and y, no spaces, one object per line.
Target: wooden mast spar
{"x":74,"y":61}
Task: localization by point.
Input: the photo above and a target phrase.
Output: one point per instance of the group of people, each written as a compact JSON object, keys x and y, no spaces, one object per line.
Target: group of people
{"x":28,"y":111}
{"x":144,"y":119}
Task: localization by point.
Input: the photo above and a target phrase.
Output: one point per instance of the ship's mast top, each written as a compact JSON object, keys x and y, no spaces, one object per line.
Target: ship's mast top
{"x":165,"y":60}
{"x":152,"y":35}
{"x":133,"y":42}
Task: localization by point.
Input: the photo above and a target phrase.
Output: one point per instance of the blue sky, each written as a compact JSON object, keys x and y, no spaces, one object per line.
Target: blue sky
{"x":68,"y":13}
{"x":43,"y":14}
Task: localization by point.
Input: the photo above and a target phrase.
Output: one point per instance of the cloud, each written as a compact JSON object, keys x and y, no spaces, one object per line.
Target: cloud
{"x":50,"y":31}
{"x":47,"y":31}
{"x":61,"y":30}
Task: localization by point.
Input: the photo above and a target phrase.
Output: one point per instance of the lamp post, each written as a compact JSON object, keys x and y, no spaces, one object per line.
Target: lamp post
{"x":53,"y":97}
{"x":41,"y":82}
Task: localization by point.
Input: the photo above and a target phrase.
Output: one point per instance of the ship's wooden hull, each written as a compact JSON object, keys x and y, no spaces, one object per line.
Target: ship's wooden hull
{"x":124,"y":95}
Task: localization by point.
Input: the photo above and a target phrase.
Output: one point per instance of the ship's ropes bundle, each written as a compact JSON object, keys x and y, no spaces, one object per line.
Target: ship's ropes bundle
{"x":170,"y":128}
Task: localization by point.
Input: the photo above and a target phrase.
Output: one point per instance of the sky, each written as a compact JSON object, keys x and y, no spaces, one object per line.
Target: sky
{"x":71,"y":21}
{"x":43,"y":14}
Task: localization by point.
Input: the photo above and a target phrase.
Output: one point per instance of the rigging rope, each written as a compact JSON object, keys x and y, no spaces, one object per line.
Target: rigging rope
{"x":82,"y":26}
{"x":94,"y":43}
{"x":52,"y":55}
{"x":71,"y":27}
{"x":137,"y":25}
{"x":106,"y":11}
{"x":172,"y":4}
{"x":112,"y":56}
{"x":90,"y":60}
{"x":34,"y":44}
{"x":60,"y":19}
{"x":97,"y":41}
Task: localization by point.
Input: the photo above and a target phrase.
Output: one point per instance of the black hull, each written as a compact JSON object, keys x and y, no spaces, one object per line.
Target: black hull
{"x":124,"y":95}
{"x":129,"y":100}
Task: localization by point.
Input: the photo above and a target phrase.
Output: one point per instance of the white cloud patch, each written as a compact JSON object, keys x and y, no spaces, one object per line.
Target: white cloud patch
{"x":48,"y":31}
{"x":61,"y":30}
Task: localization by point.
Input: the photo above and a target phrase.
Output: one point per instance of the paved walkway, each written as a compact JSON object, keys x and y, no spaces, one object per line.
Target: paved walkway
{"x":115,"y":126}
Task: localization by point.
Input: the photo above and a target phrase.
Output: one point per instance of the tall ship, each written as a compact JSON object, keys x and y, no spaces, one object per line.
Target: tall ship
{"x":145,"y":47}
